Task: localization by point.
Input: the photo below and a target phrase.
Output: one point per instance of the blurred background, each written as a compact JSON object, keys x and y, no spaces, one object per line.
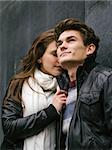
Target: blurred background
{"x":21,"y":21}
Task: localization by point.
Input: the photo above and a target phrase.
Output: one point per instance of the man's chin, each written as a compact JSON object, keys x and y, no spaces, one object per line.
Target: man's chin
{"x":70,"y":63}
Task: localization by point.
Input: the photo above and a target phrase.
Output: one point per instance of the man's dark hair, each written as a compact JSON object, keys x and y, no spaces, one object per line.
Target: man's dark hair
{"x":87,"y":33}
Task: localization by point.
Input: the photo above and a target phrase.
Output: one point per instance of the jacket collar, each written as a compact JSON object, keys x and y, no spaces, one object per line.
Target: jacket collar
{"x":89,"y":64}
{"x":84,"y":70}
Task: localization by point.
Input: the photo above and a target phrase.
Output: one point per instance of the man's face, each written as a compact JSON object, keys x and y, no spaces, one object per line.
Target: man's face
{"x":70,"y":48}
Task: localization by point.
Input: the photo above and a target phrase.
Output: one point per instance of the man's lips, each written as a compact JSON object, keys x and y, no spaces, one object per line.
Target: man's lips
{"x":64,"y":54}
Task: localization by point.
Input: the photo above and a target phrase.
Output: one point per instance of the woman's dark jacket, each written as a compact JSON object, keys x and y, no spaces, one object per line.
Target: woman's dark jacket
{"x":91,"y":124}
{"x":16,"y":127}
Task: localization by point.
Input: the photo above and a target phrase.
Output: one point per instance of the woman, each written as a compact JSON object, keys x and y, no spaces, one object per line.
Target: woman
{"x":32,"y":105}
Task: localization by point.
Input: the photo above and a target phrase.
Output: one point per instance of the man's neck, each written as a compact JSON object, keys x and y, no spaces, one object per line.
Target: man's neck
{"x":72,"y":73}
{"x":72,"y":67}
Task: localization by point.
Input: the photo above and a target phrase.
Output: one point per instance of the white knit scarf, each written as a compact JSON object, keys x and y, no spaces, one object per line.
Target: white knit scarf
{"x":35,"y":99}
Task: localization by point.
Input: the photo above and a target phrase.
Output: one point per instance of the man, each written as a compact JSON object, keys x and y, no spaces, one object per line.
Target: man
{"x":91,"y":116}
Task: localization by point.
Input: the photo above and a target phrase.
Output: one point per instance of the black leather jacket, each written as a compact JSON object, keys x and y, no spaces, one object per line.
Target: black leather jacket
{"x":16,"y":128}
{"x":91,"y":124}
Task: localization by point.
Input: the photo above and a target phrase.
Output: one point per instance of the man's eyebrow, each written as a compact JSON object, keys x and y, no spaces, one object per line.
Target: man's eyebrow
{"x":67,"y":38}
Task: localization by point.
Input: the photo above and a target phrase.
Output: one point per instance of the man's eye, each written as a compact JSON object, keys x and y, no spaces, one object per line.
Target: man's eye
{"x":70,"y":40}
{"x":58,"y":44}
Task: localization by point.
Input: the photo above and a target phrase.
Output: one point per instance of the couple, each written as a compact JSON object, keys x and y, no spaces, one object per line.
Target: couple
{"x":49,"y":106}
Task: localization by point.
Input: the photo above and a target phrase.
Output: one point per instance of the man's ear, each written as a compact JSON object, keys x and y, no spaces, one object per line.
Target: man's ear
{"x":90,"y":49}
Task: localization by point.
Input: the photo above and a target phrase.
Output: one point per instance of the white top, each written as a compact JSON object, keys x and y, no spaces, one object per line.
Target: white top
{"x":34,"y":101}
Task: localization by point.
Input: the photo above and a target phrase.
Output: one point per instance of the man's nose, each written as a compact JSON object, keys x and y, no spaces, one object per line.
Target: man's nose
{"x":63,"y":46}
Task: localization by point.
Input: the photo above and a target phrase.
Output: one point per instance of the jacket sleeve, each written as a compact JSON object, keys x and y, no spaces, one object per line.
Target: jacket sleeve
{"x":108,"y":103}
{"x":15,"y":126}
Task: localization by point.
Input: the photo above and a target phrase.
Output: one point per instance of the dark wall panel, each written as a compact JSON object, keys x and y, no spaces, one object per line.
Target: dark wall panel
{"x":98,"y":14}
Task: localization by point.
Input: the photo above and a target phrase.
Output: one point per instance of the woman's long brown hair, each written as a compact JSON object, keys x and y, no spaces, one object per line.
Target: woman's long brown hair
{"x":28,"y":65}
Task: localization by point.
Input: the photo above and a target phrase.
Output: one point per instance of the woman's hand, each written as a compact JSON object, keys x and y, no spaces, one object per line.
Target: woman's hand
{"x":59,"y":99}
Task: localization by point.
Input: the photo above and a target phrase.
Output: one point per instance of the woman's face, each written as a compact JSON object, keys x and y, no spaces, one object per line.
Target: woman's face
{"x":49,"y":61}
